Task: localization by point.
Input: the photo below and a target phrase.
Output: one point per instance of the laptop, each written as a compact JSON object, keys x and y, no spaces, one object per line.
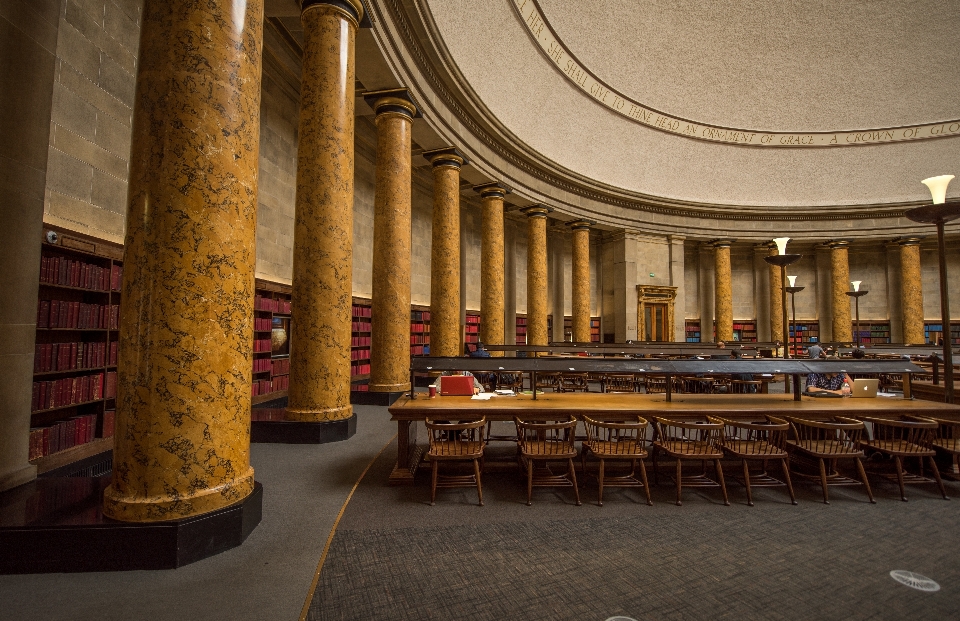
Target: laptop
{"x":865,"y":388}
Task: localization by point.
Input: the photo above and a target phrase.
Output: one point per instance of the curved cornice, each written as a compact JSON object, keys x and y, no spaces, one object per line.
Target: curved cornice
{"x":541,"y":179}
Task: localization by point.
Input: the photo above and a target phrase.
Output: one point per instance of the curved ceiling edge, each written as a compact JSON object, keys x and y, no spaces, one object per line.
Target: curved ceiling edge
{"x":527,"y":170}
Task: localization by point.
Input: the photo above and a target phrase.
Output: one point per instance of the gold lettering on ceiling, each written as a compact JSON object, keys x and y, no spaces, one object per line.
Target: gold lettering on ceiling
{"x":539,"y":28}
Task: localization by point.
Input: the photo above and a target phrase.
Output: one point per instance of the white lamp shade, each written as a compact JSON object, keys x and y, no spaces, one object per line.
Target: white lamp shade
{"x":856,"y":285}
{"x":938,"y":187}
{"x":781,"y":244}
{"x":793,"y":280}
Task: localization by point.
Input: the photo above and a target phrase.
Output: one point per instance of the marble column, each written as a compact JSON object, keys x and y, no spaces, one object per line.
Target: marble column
{"x":492,"y":321}
{"x":580,"y":291}
{"x":445,"y":252}
{"x":323,"y":221}
{"x":911,"y":291}
{"x":537,"y":274}
{"x":182,"y":443}
{"x":390,"y":304}
{"x":840,"y":284}
{"x":776,"y":300}
{"x":723,"y":291}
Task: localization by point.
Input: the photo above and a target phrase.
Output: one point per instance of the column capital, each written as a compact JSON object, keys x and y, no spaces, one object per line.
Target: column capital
{"x":493,"y":189}
{"x":580,"y":225}
{"x":837,"y":244}
{"x":394,"y":100}
{"x":908,"y":241}
{"x":536,"y":211}
{"x":351,"y":8}
{"x":721,"y":243}
{"x":449,"y":157}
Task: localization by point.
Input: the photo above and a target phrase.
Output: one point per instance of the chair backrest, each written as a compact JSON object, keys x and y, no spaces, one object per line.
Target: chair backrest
{"x":744,"y":386}
{"x":456,"y":438}
{"x":513,"y":381}
{"x":656,"y":383}
{"x":572,"y":381}
{"x":698,"y":437}
{"x":839,"y":436}
{"x":758,"y":438}
{"x":548,"y":380}
{"x":948,"y":429}
{"x":619,"y":383}
{"x":547,"y":438}
{"x":906,"y":431}
{"x":618,"y":438}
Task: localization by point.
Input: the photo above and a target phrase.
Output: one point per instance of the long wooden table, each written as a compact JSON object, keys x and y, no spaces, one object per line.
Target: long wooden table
{"x":621,"y":406}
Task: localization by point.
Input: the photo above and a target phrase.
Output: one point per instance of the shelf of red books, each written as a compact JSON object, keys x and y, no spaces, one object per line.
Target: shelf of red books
{"x":271,"y":341}
{"x":471,"y":331}
{"x":521,"y":330}
{"x":360,"y":337}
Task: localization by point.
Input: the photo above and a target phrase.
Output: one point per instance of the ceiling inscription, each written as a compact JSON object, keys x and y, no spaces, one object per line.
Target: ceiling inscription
{"x":539,"y":29}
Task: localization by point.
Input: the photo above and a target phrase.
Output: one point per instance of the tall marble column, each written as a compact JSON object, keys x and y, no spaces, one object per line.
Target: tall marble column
{"x":776,"y":300}
{"x":723,"y":291}
{"x":580,"y":291}
{"x":182,"y":443}
{"x":390,"y":304}
{"x":840,"y":284}
{"x":323,"y":223}
{"x":537,"y":274}
{"x":911,"y":291}
{"x":492,"y":328}
{"x":445,"y":252}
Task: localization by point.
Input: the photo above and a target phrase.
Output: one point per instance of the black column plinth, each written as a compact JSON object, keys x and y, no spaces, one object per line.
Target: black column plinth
{"x":299,"y":432}
{"x":366,"y":397}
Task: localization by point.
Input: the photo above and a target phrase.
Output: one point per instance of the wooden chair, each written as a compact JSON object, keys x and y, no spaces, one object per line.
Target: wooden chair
{"x":546,"y":442}
{"x":618,"y":441}
{"x":762,"y":442}
{"x":700,"y":441}
{"x":904,"y":437}
{"x":510,"y":381}
{"x":740,"y":387}
{"x":947,"y":440}
{"x":613,"y":382}
{"x":655,"y":384}
{"x":456,"y":442}
{"x":573,"y":382}
{"x":548,"y":380}
{"x":830,"y":441}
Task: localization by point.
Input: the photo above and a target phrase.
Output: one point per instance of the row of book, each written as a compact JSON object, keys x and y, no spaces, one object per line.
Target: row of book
{"x":419,"y":327}
{"x":73,"y":356}
{"x":262,"y":345}
{"x":281,"y":366}
{"x":361,"y":311}
{"x":73,"y":390}
{"x":419,"y":340}
{"x":360,"y":341}
{"x":419,"y":350}
{"x":77,"y":315}
{"x":419,"y":315}
{"x":61,"y":436}
{"x":263,"y":324}
{"x":70,"y":273}
{"x":473,"y":319}
{"x":360,"y":326}
{"x":262,"y":365}
{"x":261,"y":303}
{"x":472,"y":329}
{"x":265,"y":387}
{"x":471,"y":338}
{"x":359,"y":369}
{"x":359,"y":354}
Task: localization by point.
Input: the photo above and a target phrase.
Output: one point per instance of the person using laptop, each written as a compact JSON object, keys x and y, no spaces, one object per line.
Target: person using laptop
{"x":835,"y":383}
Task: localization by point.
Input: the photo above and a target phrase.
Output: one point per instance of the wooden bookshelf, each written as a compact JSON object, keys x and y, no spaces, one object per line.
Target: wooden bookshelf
{"x":419,"y":330}
{"x":807,"y":333}
{"x":76,"y":349}
{"x":873,"y":332}
{"x":271,"y":341}
{"x":471,"y":329}
{"x":745,"y":330}
{"x":521,"y":333}
{"x":692,"y":330}
{"x":594,"y":329}
{"x":933,"y":331}
{"x":360,"y":335}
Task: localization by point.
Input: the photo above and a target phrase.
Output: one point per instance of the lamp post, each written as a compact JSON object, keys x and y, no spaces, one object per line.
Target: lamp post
{"x":782,"y":259}
{"x":939,"y":213}
{"x":856,"y":294}
{"x":793,"y":290}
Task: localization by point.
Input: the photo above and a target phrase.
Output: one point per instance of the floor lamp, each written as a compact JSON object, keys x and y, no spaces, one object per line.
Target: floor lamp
{"x":782,"y":259}
{"x":939,"y":213}
{"x":856,"y":294}
{"x":793,"y":290}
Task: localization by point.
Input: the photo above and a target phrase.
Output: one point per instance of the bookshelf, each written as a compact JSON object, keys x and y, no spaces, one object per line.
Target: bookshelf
{"x":75,"y":350}
{"x":932,"y":332}
{"x":360,"y":344}
{"x":594,"y":329}
{"x":521,"y":330}
{"x":807,"y":332}
{"x":745,"y":331}
{"x":873,"y":332}
{"x":471,"y":329}
{"x":271,"y":341}
{"x":692,"y":330}
{"x":420,"y":330}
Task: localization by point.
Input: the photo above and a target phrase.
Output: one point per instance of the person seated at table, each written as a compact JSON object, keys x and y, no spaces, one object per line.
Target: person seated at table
{"x":858,"y":354}
{"x":480,"y":352}
{"x":736,"y":354}
{"x":829,"y":382}
{"x":815,"y":351}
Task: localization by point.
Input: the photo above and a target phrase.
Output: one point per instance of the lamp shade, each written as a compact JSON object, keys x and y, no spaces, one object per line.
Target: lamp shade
{"x":781,"y":244}
{"x":793,"y":280}
{"x":856,"y":285}
{"x":938,"y":187}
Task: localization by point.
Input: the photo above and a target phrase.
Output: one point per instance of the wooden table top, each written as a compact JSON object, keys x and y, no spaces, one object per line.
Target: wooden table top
{"x":621,"y":405}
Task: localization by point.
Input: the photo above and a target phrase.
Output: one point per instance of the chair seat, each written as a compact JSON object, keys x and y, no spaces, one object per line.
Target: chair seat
{"x":898,"y":447}
{"x":610,"y":449}
{"x":455,"y":450}
{"x":825,"y":449}
{"x":753,"y":448}
{"x":542,"y":448}
{"x":951,"y":445}
{"x":693,"y":449}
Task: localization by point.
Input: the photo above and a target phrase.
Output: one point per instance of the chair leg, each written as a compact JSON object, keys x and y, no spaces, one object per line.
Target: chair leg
{"x":723,"y":486}
{"x":866,"y":483}
{"x":476,"y":474}
{"x":896,"y":459}
{"x":573,"y":478}
{"x":529,"y":482}
{"x":936,"y":475}
{"x":679,"y":474}
{"x":786,"y":475}
{"x":646,"y":485}
{"x":433,"y":483}
{"x":746,"y":482}
{"x":823,"y":482}
{"x":600,"y":483}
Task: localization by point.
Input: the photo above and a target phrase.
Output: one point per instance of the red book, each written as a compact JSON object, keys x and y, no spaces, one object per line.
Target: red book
{"x":98,"y":386}
{"x":75,"y":279}
{"x":114,"y":316}
{"x":111,"y":389}
{"x":108,"y":423}
{"x":44,"y":441}
{"x":35,"y":399}
{"x":54,"y":314}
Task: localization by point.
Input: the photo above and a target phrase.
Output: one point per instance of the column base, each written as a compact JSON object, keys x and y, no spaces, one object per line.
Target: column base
{"x":302,"y":432}
{"x":71,"y":534}
{"x":404,"y":387}
{"x":369,"y":397}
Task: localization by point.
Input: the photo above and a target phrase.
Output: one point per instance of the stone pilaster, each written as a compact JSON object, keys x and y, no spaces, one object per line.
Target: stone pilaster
{"x":723,"y":291}
{"x":911,"y":291}
{"x":445,"y":252}
{"x":776,"y":300}
{"x":323,"y":224}
{"x":182,"y":443}
{"x":492,"y":321}
{"x":390,"y":304}
{"x":581,"y":281}
{"x":537,"y":274}
{"x":840,"y":284}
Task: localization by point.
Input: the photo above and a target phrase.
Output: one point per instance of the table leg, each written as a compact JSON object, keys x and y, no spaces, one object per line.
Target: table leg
{"x":907,"y":392}
{"x":408,"y":454}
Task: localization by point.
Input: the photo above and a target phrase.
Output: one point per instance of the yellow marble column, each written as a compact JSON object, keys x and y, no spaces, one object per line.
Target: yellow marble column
{"x":911,"y":291}
{"x":323,"y":223}
{"x":724,"y":291}
{"x":390,"y":304}
{"x":492,"y":301}
{"x":537,"y":274}
{"x":776,"y":300}
{"x":580,"y":291}
{"x":840,"y":281}
{"x":445,"y":252}
{"x":182,"y":443}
